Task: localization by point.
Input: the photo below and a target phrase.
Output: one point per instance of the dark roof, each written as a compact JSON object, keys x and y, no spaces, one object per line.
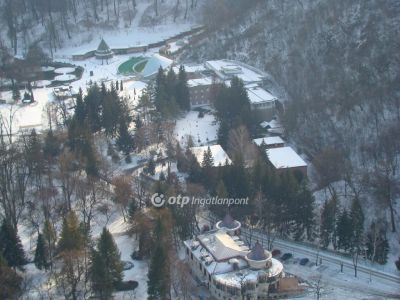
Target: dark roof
{"x":228,"y":222}
{"x":257,"y":252}
{"x":103,"y":46}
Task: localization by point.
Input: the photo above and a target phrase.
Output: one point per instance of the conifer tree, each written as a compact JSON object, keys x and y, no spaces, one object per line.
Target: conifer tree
{"x":157,"y":287}
{"x":151,"y":166}
{"x":344,"y":231}
{"x":111,"y":114}
{"x":117,"y":85}
{"x":11,"y":247}
{"x":132,"y":209}
{"x":41,"y":253}
{"x":121,"y":86}
{"x":182,"y":90}
{"x":124,"y":139}
{"x":106,"y":269}
{"x":51,"y":146}
{"x":208,"y":160}
{"x":71,"y":237}
{"x":328,"y":222}
{"x":80,"y":113}
{"x":303,"y":213}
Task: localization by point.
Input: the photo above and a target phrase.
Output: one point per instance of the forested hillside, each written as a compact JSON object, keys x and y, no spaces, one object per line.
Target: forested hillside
{"x":337,"y":63}
{"x":54,"y":23}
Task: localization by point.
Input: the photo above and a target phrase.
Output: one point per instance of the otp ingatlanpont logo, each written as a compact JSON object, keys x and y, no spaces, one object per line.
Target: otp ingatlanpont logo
{"x":158,"y":200}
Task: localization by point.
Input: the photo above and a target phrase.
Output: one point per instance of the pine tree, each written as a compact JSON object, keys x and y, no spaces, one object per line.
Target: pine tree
{"x":51,"y":146}
{"x":71,"y":237}
{"x":157,"y":287}
{"x":117,"y":85}
{"x":303,"y":213}
{"x":107,"y":268}
{"x":11,"y":247}
{"x":208,"y":160}
{"x":182,"y":90}
{"x":41,"y":253}
{"x":328,"y":222}
{"x":151,"y":167}
{"x":91,"y":163}
{"x":121,"y":86}
{"x":132,"y":209}
{"x":124,"y":139}
{"x":80,"y":113}
{"x":344,"y":231}
{"x":111,"y":114}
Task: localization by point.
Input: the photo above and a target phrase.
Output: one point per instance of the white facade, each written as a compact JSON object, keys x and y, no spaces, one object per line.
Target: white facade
{"x":230,"y":269}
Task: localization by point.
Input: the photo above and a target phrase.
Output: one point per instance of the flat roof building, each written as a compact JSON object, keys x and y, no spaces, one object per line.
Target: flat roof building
{"x":285,"y":158}
{"x":270,"y":142}
{"x":226,"y":69}
{"x":200,"y":91}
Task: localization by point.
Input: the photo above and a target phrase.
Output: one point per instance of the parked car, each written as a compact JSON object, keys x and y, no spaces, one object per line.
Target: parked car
{"x":286,"y":256}
{"x":304,"y":261}
{"x":276,"y":252}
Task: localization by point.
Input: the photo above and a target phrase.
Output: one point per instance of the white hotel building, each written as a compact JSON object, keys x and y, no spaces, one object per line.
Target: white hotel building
{"x":221,"y":260}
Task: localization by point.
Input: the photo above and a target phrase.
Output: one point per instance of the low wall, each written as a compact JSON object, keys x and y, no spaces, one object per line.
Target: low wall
{"x":120,"y":51}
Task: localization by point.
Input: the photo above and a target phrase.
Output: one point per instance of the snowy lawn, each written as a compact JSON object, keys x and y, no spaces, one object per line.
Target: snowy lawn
{"x":203,"y":130}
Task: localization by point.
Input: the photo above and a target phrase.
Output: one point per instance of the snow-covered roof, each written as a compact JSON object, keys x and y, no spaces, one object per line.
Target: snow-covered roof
{"x":219,"y":155}
{"x":199,"y":81}
{"x":259,"y":95}
{"x":154,"y":63}
{"x":272,"y":124}
{"x":103,"y":46}
{"x":191,"y":68}
{"x":227,"y":68}
{"x":257,"y":252}
{"x":270,"y":140}
{"x":221,"y":245}
{"x":285,"y":157}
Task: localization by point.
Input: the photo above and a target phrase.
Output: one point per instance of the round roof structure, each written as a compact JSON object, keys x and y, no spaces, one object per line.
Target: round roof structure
{"x":103,"y":50}
{"x":228,"y":223}
{"x":258,"y":258}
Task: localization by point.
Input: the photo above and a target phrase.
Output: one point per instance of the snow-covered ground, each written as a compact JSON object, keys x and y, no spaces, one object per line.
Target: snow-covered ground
{"x":39,"y":280}
{"x":27,"y":116}
{"x":35,"y":115}
{"x":203,"y":130}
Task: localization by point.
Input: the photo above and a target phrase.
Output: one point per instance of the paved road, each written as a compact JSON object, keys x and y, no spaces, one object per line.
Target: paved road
{"x":325,"y":257}
{"x":328,"y":257}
